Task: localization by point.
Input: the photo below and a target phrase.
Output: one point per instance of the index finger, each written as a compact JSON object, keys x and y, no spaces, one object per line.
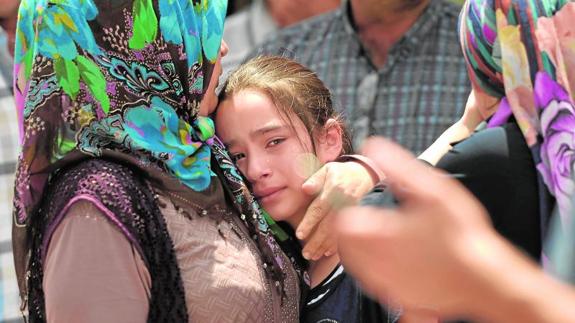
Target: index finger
{"x":315,"y":212}
{"x":314,"y":184}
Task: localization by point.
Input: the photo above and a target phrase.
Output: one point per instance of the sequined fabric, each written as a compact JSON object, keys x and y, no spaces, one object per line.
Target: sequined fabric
{"x":221,"y":267}
{"x":133,"y":208}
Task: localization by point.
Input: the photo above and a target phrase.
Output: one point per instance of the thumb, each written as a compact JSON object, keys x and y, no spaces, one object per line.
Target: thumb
{"x":314,"y":184}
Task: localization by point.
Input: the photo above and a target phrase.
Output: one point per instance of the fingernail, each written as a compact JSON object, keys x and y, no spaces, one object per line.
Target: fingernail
{"x":299,"y":235}
{"x":306,"y":255}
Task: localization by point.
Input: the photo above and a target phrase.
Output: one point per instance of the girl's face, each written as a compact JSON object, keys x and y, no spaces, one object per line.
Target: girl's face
{"x":275,"y":156}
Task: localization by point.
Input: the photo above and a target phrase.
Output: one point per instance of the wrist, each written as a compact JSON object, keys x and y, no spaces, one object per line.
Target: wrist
{"x":511,"y":288}
{"x":535,"y":297}
{"x":374,"y":171}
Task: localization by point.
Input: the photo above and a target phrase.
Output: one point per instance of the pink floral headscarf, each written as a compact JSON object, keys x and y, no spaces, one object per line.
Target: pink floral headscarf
{"x":524,"y":53}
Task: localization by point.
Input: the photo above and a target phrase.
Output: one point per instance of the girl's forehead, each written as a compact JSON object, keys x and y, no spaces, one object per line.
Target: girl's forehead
{"x":250,"y":108}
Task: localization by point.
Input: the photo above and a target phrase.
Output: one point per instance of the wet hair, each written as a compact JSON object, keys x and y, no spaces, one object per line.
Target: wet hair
{"x":294,"y":89}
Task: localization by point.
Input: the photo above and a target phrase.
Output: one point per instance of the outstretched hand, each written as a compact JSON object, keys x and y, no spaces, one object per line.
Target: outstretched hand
{"x":420,"y":252}
{"x":335,"y":185}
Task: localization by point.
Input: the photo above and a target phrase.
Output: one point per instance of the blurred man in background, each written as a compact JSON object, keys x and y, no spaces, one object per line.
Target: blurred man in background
{"x":247,"y":29}
{"x":395,"y":66}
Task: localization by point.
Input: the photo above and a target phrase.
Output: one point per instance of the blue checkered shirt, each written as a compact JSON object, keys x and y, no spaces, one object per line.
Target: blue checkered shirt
{"x":9,"y":299}
{"x":421,"y":90}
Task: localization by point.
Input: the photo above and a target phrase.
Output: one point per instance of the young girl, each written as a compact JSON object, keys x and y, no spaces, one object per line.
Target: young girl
{"x":277,"y":120}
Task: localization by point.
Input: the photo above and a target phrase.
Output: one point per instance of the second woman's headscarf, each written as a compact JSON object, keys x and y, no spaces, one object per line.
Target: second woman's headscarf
{"x":524,"y":52}
{"x":126,"y":77}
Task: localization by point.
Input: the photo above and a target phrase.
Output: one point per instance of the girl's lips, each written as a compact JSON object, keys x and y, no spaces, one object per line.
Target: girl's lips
{"x":270,"y":196}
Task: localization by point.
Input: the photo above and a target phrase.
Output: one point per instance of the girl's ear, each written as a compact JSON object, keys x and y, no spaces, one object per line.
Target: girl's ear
{"x":329,"y":144}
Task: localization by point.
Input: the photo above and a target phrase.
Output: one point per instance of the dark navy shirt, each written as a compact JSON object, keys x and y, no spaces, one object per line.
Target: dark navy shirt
{"x":339,"y":299}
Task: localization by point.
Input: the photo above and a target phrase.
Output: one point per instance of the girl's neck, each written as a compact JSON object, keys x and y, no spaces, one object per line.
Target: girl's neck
{"x":318,"y":269}
{"x":295,"y":220}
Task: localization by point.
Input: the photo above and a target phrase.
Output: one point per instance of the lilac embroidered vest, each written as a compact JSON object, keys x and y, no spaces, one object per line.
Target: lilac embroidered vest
{"x":131,"y":205}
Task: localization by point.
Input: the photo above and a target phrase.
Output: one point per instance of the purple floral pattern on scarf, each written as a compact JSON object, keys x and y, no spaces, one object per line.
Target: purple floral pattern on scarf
{"x":523,"y":53}
{"x":558,"y":148}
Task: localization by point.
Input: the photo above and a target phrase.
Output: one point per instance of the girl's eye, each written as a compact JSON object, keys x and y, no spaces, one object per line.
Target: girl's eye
{"x":275,"y":142}
{"x":237,"y":157}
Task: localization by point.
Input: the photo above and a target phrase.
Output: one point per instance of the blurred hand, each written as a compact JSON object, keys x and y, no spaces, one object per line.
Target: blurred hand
{"x":335,"y":185}
{"x":421,"y":252}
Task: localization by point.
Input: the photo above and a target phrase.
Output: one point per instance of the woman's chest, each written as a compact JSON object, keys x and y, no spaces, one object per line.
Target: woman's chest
{"x":221,"y":269}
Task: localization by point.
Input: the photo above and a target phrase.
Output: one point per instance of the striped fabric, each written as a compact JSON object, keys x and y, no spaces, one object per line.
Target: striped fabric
{"x":420,"y":91}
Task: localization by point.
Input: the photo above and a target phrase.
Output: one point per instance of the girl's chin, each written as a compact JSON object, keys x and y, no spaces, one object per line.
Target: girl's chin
{"x":291,"y":219}
{"x":275,"y":214}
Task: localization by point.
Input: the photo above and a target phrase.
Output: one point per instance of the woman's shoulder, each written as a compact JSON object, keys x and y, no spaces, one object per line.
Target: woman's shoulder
{"x":101,"y":189}
{"x":96,"y":168}
{"x":105,"y":180}
{"x":116,"y":189}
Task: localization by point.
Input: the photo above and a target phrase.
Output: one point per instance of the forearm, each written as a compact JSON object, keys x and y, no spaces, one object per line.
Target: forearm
{"x":370,"y":167}
{"x":511,"y":288}
{"x":463,"y":128}
{"x":457,"y":132}
{"x":546,"y":300}
{"x":535,"y":297}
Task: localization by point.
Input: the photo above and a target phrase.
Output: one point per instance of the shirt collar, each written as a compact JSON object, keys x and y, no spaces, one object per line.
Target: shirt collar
{"x":345,"y":14}
{"x":412,"y":37}
{"x":424,"y":24}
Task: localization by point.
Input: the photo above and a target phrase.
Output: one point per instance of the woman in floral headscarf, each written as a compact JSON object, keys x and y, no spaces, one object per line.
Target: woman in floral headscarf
{"x":521,"y":62}
{"x":127,"y":207}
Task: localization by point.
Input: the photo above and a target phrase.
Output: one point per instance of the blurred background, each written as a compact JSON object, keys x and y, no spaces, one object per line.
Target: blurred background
{"x":236,"y":5}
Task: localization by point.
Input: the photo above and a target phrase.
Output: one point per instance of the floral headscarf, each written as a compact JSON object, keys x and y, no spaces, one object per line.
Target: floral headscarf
{"x":121,"y":77}
{"x":524,"y":52}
